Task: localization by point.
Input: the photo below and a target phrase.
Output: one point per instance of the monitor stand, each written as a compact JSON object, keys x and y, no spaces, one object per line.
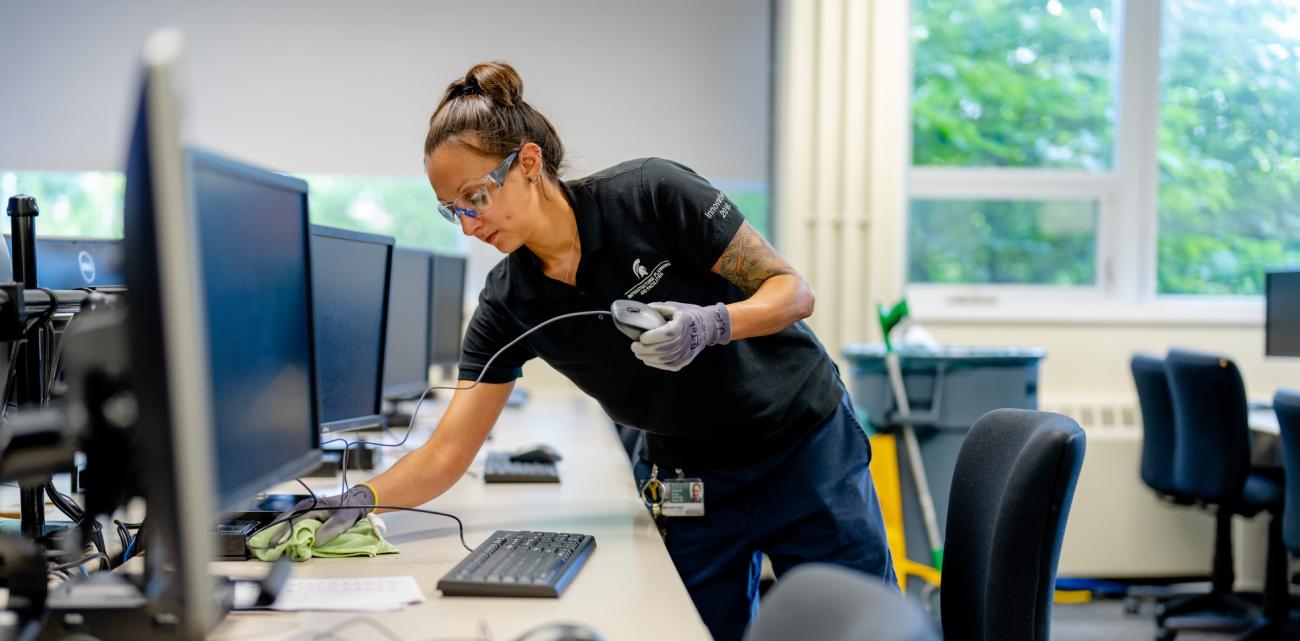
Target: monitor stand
{"x":397,"y":408}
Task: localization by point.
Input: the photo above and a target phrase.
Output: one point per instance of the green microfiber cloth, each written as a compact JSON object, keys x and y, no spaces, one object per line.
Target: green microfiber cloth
{"x":359,"y":540}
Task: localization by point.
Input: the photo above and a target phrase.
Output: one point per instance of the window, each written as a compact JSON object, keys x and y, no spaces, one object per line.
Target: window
{"x":1012,"y":83}
{"x":1006,"y":242}
{"x":399,"y":206}
{"x":72,"y":203}
{"x":1058,"y":149}
{"x":90,"y":204}
{"x":1229,"y":144}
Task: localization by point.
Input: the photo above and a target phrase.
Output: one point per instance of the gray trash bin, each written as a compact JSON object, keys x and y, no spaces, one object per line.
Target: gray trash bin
{"x":949,"y":389}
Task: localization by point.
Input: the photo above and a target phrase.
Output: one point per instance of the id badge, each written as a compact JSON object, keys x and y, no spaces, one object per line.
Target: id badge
{"x":683,"y":497}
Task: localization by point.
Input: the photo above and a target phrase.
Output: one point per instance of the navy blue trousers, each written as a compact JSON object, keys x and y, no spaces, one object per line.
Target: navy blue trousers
{"x":813,"y":502}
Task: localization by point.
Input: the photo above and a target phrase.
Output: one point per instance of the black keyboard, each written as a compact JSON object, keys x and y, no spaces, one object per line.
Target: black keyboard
{"x":500,"y":469}
{"x":519,"y":564}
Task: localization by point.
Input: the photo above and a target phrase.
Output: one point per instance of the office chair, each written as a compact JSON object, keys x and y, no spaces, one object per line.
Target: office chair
{"x":1284,"y":532}
{"x":820,"y":602}
{"x":1157,"y":427}
{"x":1158,"y":444}
{"x":1212,"y":466}
{"x":1011,"y":494}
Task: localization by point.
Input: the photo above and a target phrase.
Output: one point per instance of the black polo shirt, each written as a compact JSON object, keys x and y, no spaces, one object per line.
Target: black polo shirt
{"x":651,"y":230}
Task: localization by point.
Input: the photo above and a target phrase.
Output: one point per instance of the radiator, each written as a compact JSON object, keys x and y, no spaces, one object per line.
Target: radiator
{"x":1117,"y":527}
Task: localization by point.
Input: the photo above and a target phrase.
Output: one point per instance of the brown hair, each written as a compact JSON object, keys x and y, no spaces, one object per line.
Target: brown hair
{"x":488,"y":102}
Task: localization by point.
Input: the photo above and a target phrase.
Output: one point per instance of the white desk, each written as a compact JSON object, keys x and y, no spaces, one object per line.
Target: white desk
{"x":1263,"y":420}
{"x":627,"y":590}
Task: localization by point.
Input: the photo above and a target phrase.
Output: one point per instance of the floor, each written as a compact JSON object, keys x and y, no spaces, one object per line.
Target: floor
{"x":1106,"y":621}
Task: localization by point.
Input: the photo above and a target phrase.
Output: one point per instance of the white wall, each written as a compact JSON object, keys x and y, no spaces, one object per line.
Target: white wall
{"x":347,"y":87}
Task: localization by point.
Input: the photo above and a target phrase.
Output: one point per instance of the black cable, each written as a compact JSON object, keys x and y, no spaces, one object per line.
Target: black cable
{"x":64,"y":503}
{"x":70,"y":509}
{"x":101,"y":546}
{"x":78,"y":563}
{"x":410,"y":428}
{"x":20,"y":342}
{"x":483,"y":372}
{"x":123,"y":536}
{"x":137,"y":543}
{"x":484,"y":632}
{"x":55,"y":363}
{"x":48,"y":313}
{"x":315,"y":506}
{"x":9,"y":376}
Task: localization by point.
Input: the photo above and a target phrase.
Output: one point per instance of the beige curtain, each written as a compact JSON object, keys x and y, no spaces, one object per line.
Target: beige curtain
{"x":841,"y":152}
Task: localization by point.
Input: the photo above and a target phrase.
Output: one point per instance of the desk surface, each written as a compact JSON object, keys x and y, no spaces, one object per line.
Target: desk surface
{"x":628,"y":589}
{"x":1263,"y":420}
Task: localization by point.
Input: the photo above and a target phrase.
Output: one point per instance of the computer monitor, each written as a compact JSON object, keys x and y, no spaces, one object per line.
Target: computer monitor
{"x":446,"y":308}
{"x":1282,"y":313}
{"x":254,"y":246}
{"x":217,"y":262}
{"x":167,"y":335}
{"x":406,"y":360}
{"x":73,"y":263}
{"x":350,"y":272}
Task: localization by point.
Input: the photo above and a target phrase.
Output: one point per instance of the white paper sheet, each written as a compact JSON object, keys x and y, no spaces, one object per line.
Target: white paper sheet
{"x":377,"y":594}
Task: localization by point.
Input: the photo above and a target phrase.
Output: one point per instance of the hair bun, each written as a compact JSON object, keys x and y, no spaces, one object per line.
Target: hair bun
{"x":496,"y":80}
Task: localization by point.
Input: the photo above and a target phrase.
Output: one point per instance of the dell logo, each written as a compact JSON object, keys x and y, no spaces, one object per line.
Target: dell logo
{"x":87,"y":265}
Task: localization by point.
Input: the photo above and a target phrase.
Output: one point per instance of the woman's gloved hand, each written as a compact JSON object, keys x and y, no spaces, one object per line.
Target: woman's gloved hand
{"x":337,"y":513}
{"x":690,"y":328}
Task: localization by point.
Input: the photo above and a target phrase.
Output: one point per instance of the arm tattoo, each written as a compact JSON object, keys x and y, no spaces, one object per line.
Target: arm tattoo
{"x":749,"y":260}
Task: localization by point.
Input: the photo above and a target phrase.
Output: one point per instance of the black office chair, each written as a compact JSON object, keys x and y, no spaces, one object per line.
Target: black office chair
{"x":1158,"y":445}
{"x":1157,"y":427}
{"x":1283,"y":533}
{"x":819,"y":602}
{"x":1212,"y":466}
{"x":1011,"y":494}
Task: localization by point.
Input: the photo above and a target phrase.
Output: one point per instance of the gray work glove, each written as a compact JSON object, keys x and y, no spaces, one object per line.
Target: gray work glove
{"x":356,"y":503}
{"x":689,"y":330}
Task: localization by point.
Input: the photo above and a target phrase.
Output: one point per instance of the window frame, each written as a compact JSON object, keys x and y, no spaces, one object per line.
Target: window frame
{"x":1125,"y":287}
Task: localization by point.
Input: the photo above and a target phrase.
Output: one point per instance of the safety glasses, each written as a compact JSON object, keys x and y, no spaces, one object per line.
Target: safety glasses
{"x":482,"y":197}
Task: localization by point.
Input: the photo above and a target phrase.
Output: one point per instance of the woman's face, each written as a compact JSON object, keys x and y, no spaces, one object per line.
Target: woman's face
{"x":456,"y":173}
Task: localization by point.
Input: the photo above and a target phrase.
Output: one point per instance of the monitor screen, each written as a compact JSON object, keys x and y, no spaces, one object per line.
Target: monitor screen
{"x":254,"y":257}
{"x":349,"y":292}
{"x":1282,"y":314}
{"x":406,"y":361}
{"x":446,"y":309}
{"x":73,"y":263}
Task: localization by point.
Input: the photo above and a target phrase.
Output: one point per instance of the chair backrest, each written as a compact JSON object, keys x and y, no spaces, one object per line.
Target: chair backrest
{"x":1011,"y":493}
{"x":819,"y":602}
{"x":1212,"y":457}
{"x":1287,"y":405}
{"x":1157,"y":423}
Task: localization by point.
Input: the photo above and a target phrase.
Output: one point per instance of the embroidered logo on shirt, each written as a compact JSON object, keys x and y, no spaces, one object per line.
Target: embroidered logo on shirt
{"x":638,"y":269}
{"x":648,"y":279}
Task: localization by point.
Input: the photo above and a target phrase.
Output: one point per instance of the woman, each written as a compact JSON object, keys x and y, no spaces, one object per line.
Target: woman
{"x":733,"y":393}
